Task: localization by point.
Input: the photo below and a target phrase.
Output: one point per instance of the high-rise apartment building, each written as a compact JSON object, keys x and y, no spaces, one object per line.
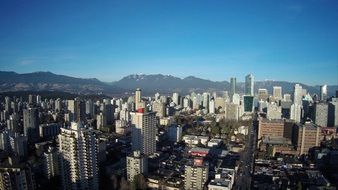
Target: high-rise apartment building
{"x":206,"y":98}
{"x":8,"y":107}
{"x":19,"y":146}
{"x":78,"y":147}
{"x":31,"y":124}
{"x":32,"y":99}
{"x":137,"y":163}
{"x":58,"y":105}
{"x":232,"y":90}
{"x":71,"y":106}
{"x":51,"y":163}
{"x":80,"y":110}
{"x":196,"y":174}
{"x":176,"y":98}
{"x":90,"y":108}
{"x":333,"y":112}
{"x":101,"y":121}
{"x":15,"y":178}
{"x":159,"y":109}
{"x":138,"y":99}
{"x":144,"y":131}
{"x":212,"y":106}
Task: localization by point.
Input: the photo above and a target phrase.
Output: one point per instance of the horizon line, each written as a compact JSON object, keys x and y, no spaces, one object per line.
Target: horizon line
{"x":267,"y":80}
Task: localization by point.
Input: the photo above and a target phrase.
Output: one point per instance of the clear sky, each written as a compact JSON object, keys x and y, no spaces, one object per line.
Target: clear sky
{"x":280,"y":40}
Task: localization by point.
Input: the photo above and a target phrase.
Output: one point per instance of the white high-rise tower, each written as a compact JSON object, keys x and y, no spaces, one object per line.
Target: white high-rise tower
{"x":277,"y":92}
{"x":323,"y":92}
{"x":249,"y":85}
{"x":78,"y":147}
{"x":297,"y":94}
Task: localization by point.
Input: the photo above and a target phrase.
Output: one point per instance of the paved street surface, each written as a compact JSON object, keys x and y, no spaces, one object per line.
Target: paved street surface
{"x":243,"y":180}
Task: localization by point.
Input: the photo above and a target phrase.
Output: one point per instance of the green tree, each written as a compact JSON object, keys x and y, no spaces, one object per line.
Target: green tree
{"x":214,"y":130}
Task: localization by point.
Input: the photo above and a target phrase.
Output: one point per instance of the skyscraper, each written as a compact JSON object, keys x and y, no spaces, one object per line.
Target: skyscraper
{"x":144,"y":132}
{"x":78,"y":147}
{"x":263,"y":94}
{"x":297,"y":94}
{"x":248,"y":104}
{"x":277,"y":92}
{"x":323,"y":92}
{"x":232,"y":87}
{"x":249,"y":85}
{"x":296,"y":112}
{"x":31,"y":124}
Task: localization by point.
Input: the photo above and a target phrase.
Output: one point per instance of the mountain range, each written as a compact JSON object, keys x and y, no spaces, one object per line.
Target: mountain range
{"x":47,"y":81}
{"x":150,"y":84}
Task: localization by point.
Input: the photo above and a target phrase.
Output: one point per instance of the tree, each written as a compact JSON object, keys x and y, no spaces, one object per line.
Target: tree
{"x":124,"y":185}
{"x":114,"y":181}
{"x":214,"y":130}
{"x":139,"y":182}
{"x":225,"y":130}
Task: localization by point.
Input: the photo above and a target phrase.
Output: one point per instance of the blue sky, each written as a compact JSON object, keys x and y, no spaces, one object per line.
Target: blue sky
{"x":279,"y":40}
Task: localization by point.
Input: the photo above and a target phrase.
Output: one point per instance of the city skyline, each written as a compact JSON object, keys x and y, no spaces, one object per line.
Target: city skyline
{"x":276,"y":41}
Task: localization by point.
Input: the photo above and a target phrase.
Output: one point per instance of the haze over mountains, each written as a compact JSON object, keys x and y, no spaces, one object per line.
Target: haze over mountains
{"x":150,"y":84}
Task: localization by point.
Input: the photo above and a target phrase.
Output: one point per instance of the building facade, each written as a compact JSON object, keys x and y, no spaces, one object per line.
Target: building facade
{"x":196,"y":175}
{"x":144,"y":132}
{"x":137,"y":163}
{"x":249,"y":85}
{"x":78,"y":147}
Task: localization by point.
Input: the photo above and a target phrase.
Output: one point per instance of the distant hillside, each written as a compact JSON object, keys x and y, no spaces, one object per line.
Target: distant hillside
{"x":150,"y":84}
{"x":50,"y":94}
{"x":47,"y":81}
{"x":168,"y":84}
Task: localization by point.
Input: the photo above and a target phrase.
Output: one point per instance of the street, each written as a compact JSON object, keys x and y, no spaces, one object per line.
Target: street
{"x":243,"y":180}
